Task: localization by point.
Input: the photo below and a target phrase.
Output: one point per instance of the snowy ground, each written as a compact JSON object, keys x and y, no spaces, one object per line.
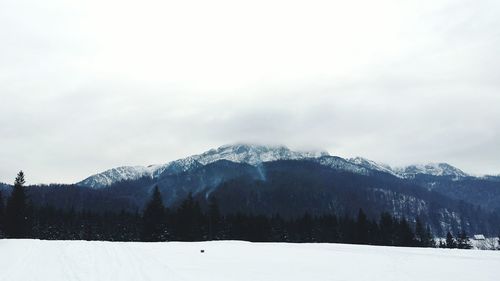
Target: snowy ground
{"x":30,"y":260}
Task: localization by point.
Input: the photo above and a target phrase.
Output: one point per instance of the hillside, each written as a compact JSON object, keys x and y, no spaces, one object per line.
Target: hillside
{"x":270,"y":180}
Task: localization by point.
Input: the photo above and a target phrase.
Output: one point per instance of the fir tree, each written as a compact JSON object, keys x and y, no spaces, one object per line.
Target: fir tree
{"x":450,"y":241}
{"x":404,"y":235}
{"x":189,"y":220}
{"x":362,"y":235}
{"x":214,"y":219}
{"x":429,"y":238}
{"x":423,"y":235}
{"x":305,"y":228}
{"x":463,"y":241}
{"x":17,"y":215}
{"x":441,"y":244}
{"x":387,"y":229}
{"x":153,"y":219}
{"x":420,"y":232}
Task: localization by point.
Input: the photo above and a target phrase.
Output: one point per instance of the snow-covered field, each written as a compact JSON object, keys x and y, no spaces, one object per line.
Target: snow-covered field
{"x":30,"y":260}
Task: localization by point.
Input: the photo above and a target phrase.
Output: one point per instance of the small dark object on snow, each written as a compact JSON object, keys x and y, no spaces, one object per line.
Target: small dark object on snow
{"x":202,"y":251}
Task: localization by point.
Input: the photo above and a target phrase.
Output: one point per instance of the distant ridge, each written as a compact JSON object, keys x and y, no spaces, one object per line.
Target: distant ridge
{"x":253,"y":154}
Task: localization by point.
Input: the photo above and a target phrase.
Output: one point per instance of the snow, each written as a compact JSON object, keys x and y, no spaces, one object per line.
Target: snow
{"x":254,"y":154}
{"x":489,"y":243}
{"x":372,"y":165}
{"x":433,"y":169}
{"x":342,"y":164}
{"x":22,"y":260}
{"x":114,"y":175}
{"x":479,"y":237}
{"x":239,"y":153}
{"x":257,"y":154}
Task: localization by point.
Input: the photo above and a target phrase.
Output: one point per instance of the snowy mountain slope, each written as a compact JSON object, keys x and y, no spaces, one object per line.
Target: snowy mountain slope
{"x":339,"y":163}
{"x":238,"y":260}
{"x":372,"y":165}
{"x":432,"y":169}
{"x":174,"y":167}
{"x":257,"y":154}
{"x":254,"y":154}
{"x":114,"y":175}
{"x":239,"y":153}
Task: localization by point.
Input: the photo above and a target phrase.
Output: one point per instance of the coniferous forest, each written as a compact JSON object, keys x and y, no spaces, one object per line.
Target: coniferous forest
{"x":190,"y":222}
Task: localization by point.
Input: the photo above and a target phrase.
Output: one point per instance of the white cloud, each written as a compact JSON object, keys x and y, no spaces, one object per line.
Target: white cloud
{"x":90,"y":85}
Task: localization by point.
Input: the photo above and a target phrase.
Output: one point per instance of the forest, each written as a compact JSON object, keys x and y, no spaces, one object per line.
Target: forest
{"x":190,"y":222}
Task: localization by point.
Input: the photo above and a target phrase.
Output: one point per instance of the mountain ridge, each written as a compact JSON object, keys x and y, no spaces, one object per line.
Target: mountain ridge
{"x":275,"y":180}
{"x":256,"y":154}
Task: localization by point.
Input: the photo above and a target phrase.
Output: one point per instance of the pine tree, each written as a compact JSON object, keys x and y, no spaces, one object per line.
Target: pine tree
{"x":189,"y":221}
{"x":153,"y":219}
{"x":305,"y":228}
{"x":429,"y":238}
{"x":441,"y":244}
{"x":450,"y":241}
{"x":463,"y":241}
{"x":420,"y":233}
{"x":17,"y":215}
{"x":362,"y":235}
{"x":214,"y":219}
{"x":423,"y":235}
{"x":386,"y":224}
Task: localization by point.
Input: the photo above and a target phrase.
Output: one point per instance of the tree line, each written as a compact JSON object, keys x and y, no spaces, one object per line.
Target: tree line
{"x":190,"y":222}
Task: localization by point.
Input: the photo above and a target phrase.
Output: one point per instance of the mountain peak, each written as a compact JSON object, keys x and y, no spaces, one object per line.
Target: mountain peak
{"x":118,"y":174}
{"x":410,"y":171}
{"x":254,"y":153}
{"x":433,"y":169}
{"x":370,"y":164}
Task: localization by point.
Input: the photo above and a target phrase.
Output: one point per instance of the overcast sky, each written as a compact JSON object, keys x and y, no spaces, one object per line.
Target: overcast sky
{"x":97,"y":84}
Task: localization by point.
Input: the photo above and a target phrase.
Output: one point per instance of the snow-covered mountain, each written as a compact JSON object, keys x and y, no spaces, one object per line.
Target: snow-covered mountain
{"x":256,"y":154}
{"x":372,"y":165}
{"x":432,"y":169}
{"x":339,"y":163}
{"x":114,"y":175}
{"x":239,"y":153}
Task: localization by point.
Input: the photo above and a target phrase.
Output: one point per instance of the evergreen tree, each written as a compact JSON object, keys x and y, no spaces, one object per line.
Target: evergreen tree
{"x":17,"y":215}
{"x":189,"y":221}
{"x":279,"y":230}
{"x":419,"y":232}
{"x":153,"y":219}
{"x":423,"y":235}
{"x":214,"y":220}
{"x":387,"y":229}
{"x":362,"y":235}
{"x":463,"y":241}
{"x":450,"y":241}
{"x":305,"y":228}
{"x":429,"y":238}
{"x":404,"y":235}
{"x":441,"y":244}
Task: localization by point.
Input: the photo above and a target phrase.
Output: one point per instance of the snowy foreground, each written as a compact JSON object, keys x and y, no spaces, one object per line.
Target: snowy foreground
{"x":28,"y":260}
